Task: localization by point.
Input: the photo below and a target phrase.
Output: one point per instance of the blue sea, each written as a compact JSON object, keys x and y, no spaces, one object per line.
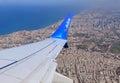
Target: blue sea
{"x":17,"y":18}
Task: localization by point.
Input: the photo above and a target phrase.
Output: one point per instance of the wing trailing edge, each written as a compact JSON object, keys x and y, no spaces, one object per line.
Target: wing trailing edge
{"x":62,"y":30}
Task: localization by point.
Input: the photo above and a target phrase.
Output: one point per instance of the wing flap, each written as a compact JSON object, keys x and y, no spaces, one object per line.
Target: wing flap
{"x":41,"y":59}
{"x":8,"y":79}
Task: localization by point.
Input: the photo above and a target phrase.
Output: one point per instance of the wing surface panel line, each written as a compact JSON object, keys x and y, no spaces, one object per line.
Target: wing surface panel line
{"x":26,"y":56}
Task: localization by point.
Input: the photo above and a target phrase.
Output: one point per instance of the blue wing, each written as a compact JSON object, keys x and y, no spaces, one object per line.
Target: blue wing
{"x":33,"y":63}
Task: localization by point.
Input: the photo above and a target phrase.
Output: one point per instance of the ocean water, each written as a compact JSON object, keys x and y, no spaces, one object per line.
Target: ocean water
{"x":15,"y":18}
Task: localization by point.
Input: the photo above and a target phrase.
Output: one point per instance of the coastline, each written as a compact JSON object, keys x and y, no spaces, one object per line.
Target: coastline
{"x":17,"y":19}
{"x":88,"y":58}
{"x":27,"y":36}
{"x":42,"y":27}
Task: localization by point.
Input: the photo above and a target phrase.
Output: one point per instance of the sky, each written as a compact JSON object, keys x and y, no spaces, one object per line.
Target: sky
{"x":88,"y":3}
{"x":38,"y":2}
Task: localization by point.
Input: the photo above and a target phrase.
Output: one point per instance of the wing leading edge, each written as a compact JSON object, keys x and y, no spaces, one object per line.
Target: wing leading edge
{"x":33,"y":63}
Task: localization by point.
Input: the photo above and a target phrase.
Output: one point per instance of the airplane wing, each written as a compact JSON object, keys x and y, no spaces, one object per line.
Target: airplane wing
{"x":33,"y":63}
